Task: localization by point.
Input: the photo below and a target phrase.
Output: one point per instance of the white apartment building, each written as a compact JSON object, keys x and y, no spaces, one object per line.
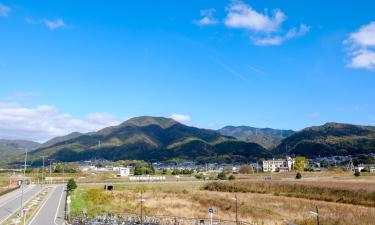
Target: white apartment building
{"x":278,"y":165}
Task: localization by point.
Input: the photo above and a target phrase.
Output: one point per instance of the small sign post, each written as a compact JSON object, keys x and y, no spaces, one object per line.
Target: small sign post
{"x":210,"y":212}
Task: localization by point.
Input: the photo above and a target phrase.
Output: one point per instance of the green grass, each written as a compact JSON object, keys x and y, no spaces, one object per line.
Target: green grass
{"x":79,"y":201}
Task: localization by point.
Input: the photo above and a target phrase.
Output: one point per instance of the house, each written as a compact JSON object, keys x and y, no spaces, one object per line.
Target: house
{"x":124,"y":172}
{"x":88,"y":168}
{"x":278,"y":165}
{"x":365,"y":167}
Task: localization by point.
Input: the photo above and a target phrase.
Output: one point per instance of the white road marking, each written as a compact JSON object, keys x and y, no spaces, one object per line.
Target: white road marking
{"x":58,"y":207}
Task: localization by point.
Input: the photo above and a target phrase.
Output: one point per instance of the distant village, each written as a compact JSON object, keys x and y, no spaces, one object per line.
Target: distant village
{"x":274,"y":165}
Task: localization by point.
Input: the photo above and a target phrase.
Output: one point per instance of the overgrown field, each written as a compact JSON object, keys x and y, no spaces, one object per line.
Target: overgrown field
{"x":343,"y":192}
{"x":191,"y":200}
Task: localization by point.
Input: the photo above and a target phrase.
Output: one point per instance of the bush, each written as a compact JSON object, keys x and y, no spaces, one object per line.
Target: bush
{"x":357,"y":173}
{"x":199,"y":176}
{"x":298,"y":175}
{"x":246,"y":169}
{"x":222,"y":176}
{"x":72,"y":185}
{"x":231,"y":177}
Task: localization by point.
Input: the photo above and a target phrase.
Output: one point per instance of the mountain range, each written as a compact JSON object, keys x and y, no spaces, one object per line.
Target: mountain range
{"x":329,"y":139}
{"x":163,"y":139}
{"x":151,"y":139}
{"x":267,"y":137}
{"x":11,"y":148}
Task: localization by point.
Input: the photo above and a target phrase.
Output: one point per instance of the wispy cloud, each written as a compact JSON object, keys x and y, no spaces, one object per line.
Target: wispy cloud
{"x":207,"y":18}
{"x":4,"y":10}
{"x":228,"y":68}
{"x":361,"y":50}
{"x":257,"y":70}
{"x":21,"y":97}
{"x":264,"y":28}
{"x":50,"y":24}
{"x":54,"y":24}
{"x":45,"y":121}
{"x":181,"y":118}
{"x":313,"y":114}
{"x":278,"y":39}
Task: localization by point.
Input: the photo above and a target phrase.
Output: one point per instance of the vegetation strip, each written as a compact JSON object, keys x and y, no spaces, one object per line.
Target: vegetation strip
{"x":299,"y":190}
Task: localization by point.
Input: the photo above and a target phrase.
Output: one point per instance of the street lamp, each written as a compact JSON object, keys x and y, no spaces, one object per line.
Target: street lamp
{"x":236,"y":199}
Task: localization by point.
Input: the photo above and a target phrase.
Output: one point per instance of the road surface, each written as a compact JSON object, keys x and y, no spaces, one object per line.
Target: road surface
{"x":11,"y":202}
{"x":52,"y":209}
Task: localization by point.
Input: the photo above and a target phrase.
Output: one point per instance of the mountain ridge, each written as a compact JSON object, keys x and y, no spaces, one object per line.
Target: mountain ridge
{"x":267,"y":137}
{"x":152,"y":138}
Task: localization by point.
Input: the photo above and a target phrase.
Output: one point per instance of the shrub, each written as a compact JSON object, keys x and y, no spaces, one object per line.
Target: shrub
{"x":246,"y":169}
{"x":357,"y":173}
{"x":298,"y":175}
{"x":231,"y":177}
{"x":222,"y":176}
{"x":199,"y":176}
{"x":72,"y":185}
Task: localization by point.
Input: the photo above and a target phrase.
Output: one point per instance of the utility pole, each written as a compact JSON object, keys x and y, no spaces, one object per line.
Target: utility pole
{"x":142,"y":200}
{"x":43,"y":157}
{"x":23,"y":182}
{"x":50,"y":170}
{"x":236,"y":199}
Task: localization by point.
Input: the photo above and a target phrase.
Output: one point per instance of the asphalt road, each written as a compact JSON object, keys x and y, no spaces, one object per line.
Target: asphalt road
{"x":52,"y":210}
{"x":11,"y":202}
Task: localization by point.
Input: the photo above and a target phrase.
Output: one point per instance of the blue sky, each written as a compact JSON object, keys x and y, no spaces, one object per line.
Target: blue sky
{"x":263,"y":63}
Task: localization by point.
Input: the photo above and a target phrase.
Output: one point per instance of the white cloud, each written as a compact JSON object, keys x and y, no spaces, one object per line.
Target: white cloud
{"x":207,"y":18}
{"x":54,"y":24}
{"x":44,"y":122}
{"x":265,"y":29}
{"x":4,"y":10}
{"x":50,"y":24}
{"x":277,"y":40}
{"x":361,"y":49}
{"x":181,"y":118}
{"x":314,"y":114}
{"x":241,"y":15}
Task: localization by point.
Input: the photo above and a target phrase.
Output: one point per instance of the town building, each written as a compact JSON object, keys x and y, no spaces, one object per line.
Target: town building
{"x":365,"y":167}
{"x":278,"y":165}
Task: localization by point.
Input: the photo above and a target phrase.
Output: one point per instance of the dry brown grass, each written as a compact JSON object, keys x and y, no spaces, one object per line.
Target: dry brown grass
{"x":189,"y":200}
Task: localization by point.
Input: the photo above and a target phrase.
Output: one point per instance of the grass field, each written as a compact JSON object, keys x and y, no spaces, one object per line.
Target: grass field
{"x":191,"y":200}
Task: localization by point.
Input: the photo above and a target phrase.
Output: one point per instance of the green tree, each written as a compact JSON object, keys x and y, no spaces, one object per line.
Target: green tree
{"x":72,"y":185}
{"x":58,"y":168}
{"x":300,"y":163}
{"x":176,"y":172}
{"x":222,"y":176}
{"x":232,"y":177}
{"x":357,"y":173}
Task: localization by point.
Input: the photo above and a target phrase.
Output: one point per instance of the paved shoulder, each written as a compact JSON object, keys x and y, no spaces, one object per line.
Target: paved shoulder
{"x":52,"y":210}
